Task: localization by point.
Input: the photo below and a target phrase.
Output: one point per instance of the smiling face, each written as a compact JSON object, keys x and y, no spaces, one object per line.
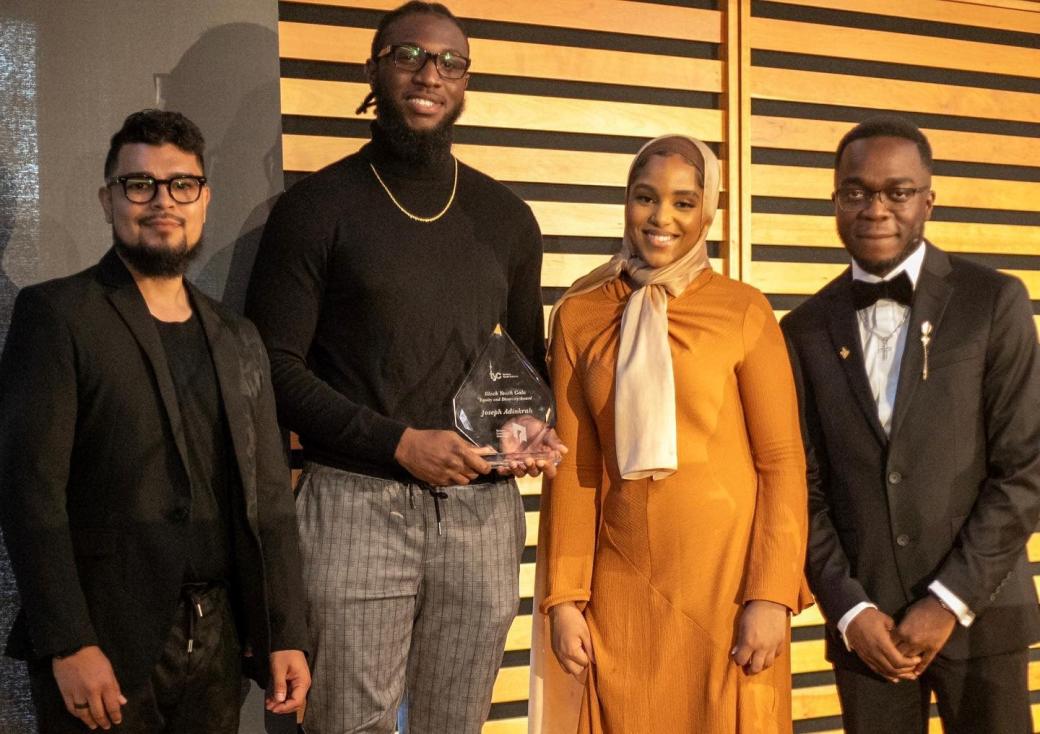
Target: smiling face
{"x":877,"y":237}
{"x":160,"y":236}
{"x":663,"y":209}
{"x":422,"y":100}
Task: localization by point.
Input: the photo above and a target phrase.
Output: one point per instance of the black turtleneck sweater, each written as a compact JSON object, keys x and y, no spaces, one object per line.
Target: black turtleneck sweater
{"x":372,"y":319}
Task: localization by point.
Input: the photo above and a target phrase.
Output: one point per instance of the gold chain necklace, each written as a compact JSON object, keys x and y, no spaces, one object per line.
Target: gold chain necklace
{"x":424,"y":220}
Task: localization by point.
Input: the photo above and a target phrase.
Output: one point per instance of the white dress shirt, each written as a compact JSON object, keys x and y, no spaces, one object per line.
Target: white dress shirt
{"x":882,"y":332}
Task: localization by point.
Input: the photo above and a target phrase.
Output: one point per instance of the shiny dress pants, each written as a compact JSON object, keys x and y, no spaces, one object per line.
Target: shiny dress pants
{"x":197,"y":692}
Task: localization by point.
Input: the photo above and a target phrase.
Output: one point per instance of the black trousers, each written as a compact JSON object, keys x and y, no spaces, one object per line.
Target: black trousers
{"x":196,"y":692}
{"x":987,"y":695}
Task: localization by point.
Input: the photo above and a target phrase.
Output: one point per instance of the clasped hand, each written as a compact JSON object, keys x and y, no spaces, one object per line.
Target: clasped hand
{"x":903,"y":651}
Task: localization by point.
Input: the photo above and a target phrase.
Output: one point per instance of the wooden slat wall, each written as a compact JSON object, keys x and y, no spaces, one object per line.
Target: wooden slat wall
{"x":563,"y":92}
{"x":968,"y":75}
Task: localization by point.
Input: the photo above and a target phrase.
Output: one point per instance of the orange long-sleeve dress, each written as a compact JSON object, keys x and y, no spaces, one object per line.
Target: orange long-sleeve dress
{"x":662,"y":568}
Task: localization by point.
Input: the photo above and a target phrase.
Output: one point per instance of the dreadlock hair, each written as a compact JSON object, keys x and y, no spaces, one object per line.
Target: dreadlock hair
{"x":413,"y":7}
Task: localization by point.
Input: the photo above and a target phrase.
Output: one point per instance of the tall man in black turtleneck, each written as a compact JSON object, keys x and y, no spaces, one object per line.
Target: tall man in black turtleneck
{"x":378,"y":281}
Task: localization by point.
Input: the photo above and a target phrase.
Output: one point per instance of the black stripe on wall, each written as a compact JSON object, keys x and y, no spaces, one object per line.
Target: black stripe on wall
{"x":802,"y":634}
{"x":599,"y":245}
{"x":799,"y":254}
{"x":581,"y":245}
{"x":342,"y":72}
{"x":870,"y":21}
{"x":815,"y":678}
{"x":811,"y":726}
{"x":568,"y":193}
{"x":510,"y":709}
{"x":823,"y":207}
{"x":577,"y":193}
{"x":837,"y":255}
{"x":784,"y":302}
{"x":702,"y":4}
{"x":816,"y":159}
{"x":904,"y":72}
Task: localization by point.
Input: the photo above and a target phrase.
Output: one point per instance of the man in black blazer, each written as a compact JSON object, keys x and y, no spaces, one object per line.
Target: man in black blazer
{"x":919,"y":379}
{"x":145,"y":498}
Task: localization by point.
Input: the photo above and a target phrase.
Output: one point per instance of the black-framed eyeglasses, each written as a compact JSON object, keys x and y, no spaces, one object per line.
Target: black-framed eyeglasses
{"x":142,"y":189}
{"x":858,"y":198}
{"x":410,"y":57}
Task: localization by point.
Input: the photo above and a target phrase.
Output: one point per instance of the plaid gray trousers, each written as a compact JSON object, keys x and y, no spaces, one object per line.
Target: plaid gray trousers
{"x":399,"y":614}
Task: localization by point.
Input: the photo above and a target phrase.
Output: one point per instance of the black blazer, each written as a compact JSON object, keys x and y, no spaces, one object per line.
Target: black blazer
{"x":954,"y":493}
{"x":95,"y":496}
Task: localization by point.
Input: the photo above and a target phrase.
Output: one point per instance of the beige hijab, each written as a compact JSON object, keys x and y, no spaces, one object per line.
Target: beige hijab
{"x":644,"y":402}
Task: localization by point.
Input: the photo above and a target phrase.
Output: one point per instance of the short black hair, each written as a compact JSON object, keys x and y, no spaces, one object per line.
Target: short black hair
{"x":155,"y":127}
{"x":413,"y":7}
{"x":888,"y":126}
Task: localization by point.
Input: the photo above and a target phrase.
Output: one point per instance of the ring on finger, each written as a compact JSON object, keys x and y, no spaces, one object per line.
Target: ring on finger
{"x":83,"y":705}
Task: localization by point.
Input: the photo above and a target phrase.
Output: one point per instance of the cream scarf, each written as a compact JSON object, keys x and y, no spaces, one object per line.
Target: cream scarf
{"x":644,"y":402}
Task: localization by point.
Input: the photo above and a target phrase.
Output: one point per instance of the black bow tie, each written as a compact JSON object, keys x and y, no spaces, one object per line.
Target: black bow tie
{"x":899,"y":289}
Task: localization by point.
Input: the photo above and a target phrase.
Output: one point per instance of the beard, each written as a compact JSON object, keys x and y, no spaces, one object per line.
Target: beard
{"x":162,"y":261}
{"x":881,"y":268}
{"x":419,"y":147}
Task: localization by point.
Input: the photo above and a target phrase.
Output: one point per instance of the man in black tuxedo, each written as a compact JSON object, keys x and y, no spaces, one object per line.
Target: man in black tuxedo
{"x":145,"y":498}
{"x":919,"y":378}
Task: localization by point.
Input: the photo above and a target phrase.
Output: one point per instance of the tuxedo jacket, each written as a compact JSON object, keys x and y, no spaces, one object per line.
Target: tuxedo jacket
{"x":95,"y":498}
{"x":954,"y":492}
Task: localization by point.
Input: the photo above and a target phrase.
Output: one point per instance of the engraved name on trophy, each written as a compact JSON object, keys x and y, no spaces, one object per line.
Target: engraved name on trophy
{"x":505,"y":404}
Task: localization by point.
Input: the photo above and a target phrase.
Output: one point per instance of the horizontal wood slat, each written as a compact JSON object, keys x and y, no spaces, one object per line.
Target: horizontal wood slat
{"x":892,"y":94}
{"x":561,"y":270}
{"x":807,"y":278}
{"x":594,"y":220}
{"x":819,"y":231}
{"x":519,"y":636}
{"x":511,"y":58}
{"x":971,"y":12}
{"x":896,"y":48}
{"x":506,"y":726}
{"x":817,"y":183}
{"x":520,"y":111}
{"x":789,"y":133}
{"x":611,"y":16}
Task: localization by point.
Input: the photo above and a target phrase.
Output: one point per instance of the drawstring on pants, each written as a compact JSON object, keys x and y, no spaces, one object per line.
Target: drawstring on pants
{"x":438,"y":494}
{"x":194,"y":612}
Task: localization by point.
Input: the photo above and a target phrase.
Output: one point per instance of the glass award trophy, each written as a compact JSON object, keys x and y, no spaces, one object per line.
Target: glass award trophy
{"x":505,"y":404}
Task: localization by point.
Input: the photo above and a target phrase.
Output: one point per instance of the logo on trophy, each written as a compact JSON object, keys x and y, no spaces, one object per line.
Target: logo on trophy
{"x":505,"y":404}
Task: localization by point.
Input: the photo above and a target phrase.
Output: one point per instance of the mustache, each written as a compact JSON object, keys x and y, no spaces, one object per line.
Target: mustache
{"x":152,"y":218}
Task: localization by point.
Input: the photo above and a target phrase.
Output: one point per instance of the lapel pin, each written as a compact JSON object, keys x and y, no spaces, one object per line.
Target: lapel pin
{"x":844,"y":352}
{"x":926,"y":339}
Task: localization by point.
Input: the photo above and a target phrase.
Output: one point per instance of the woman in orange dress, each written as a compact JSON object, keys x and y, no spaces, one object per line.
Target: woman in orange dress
{"x":673,"y":536}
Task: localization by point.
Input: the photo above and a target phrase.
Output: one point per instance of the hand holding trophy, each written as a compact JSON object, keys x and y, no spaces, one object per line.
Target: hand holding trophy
{"x":505,"y":404}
